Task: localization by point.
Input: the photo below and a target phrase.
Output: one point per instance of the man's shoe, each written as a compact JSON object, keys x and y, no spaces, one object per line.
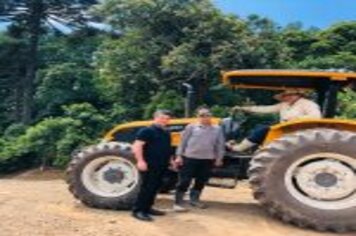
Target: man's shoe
{"x":142,"y":216}
{"x":179,"y":202}
{"x":155,"y":212}
{"x":179,"y":208}
{"x":198,"y":204}
{"x":195,"y":199}
{"x":244,"y":146}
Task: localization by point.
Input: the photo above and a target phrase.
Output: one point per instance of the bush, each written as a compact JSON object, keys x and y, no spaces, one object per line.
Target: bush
{"x":347,"y":102}
{"x":39,"y":140}
{"x":14,"y":130}
{"x":50,"y":142}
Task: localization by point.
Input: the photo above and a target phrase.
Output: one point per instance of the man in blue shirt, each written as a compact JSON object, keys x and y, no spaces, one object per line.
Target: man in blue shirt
{"x":153,"y":151}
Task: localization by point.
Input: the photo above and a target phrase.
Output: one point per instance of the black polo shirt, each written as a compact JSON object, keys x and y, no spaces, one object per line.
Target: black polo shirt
{"x":157,"y":150}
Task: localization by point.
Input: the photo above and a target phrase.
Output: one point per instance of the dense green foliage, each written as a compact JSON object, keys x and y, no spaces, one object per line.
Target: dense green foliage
{"x":87,"y":81}
{"x":31,"y":19}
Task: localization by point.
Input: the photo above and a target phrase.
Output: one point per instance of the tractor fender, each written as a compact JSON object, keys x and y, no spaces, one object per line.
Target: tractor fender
{"x":281,"y":129}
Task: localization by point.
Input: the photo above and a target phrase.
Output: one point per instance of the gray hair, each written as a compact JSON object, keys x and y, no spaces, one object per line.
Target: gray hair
{"x":162,"y":112}
{"x":202,"y":108}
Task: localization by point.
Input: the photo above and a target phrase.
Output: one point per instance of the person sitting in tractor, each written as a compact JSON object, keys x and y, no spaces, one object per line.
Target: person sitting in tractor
{"x":293,"y":105}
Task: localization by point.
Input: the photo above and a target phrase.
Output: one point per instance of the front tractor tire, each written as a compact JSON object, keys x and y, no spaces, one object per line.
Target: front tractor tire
{"x":308,"y":178}
{"x":104,"y":176}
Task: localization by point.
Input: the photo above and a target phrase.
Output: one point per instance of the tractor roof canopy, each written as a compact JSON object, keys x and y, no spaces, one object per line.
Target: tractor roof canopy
{"x":284,"y":79}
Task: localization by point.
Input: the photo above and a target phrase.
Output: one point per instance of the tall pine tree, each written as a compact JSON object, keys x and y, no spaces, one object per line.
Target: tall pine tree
{"x":31,"y":18}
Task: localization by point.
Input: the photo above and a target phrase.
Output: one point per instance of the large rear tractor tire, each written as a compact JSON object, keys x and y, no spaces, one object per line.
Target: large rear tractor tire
{"x":104,"y":176}
{"x":308,"y":178}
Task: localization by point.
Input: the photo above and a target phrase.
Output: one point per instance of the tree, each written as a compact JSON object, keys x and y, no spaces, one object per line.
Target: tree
{"x":67,"y":74}
{"x":332,"y":48}
{"x":12,"y":68}
{"x":298,"y":41}
{"x":166,"y":43}
{"x":30,"y":17}
{"x":62,"y":84}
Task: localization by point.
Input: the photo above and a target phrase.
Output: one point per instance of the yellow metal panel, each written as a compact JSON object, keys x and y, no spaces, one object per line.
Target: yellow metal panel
{"x":335,"y":76}
{"x":268,"y":88}
{"x":279,"y":130}
{"x":301,"y":73}
{"x":175,"y":135}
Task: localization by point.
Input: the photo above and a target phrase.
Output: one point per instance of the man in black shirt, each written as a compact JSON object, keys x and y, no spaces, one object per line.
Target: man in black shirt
{"x":153,"y":151}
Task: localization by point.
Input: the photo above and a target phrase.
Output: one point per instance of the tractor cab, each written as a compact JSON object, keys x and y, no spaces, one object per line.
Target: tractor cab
{"x":325,"y":84}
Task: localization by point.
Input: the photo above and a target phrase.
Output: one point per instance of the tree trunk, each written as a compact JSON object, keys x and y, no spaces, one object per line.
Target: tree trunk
{"x":202,"y":88}
{"x":34,"y":24}
{"x":18,"y":96}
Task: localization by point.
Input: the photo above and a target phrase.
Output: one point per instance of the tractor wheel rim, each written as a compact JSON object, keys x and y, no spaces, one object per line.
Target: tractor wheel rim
{"x":323,"y":180}
{"x":110,"y":176}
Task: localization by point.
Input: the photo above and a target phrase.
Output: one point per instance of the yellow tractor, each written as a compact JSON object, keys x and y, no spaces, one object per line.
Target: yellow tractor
{"x":304,"y":173}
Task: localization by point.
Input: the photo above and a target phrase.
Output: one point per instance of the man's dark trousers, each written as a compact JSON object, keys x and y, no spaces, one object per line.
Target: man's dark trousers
{"x":198,"y":169}
{"x":150,"y":185}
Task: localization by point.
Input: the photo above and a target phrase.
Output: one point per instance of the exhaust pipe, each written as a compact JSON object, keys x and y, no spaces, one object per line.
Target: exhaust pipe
{"x":189,"y":103}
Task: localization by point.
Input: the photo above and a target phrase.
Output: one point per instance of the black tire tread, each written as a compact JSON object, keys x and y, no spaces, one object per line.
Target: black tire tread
{"x":263,"y":161}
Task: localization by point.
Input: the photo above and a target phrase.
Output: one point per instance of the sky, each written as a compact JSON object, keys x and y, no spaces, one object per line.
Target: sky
{"x":2,"y":26}
{"x":317,"y":13}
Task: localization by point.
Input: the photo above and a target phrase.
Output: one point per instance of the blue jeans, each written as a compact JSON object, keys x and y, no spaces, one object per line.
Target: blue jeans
{"x":258,"y":134}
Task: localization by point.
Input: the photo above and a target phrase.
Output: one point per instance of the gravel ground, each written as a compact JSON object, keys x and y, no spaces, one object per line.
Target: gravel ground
{"x":33,"y":204}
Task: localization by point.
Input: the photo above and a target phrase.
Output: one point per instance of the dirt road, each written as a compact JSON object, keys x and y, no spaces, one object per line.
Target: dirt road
{"x":36,"y":205}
